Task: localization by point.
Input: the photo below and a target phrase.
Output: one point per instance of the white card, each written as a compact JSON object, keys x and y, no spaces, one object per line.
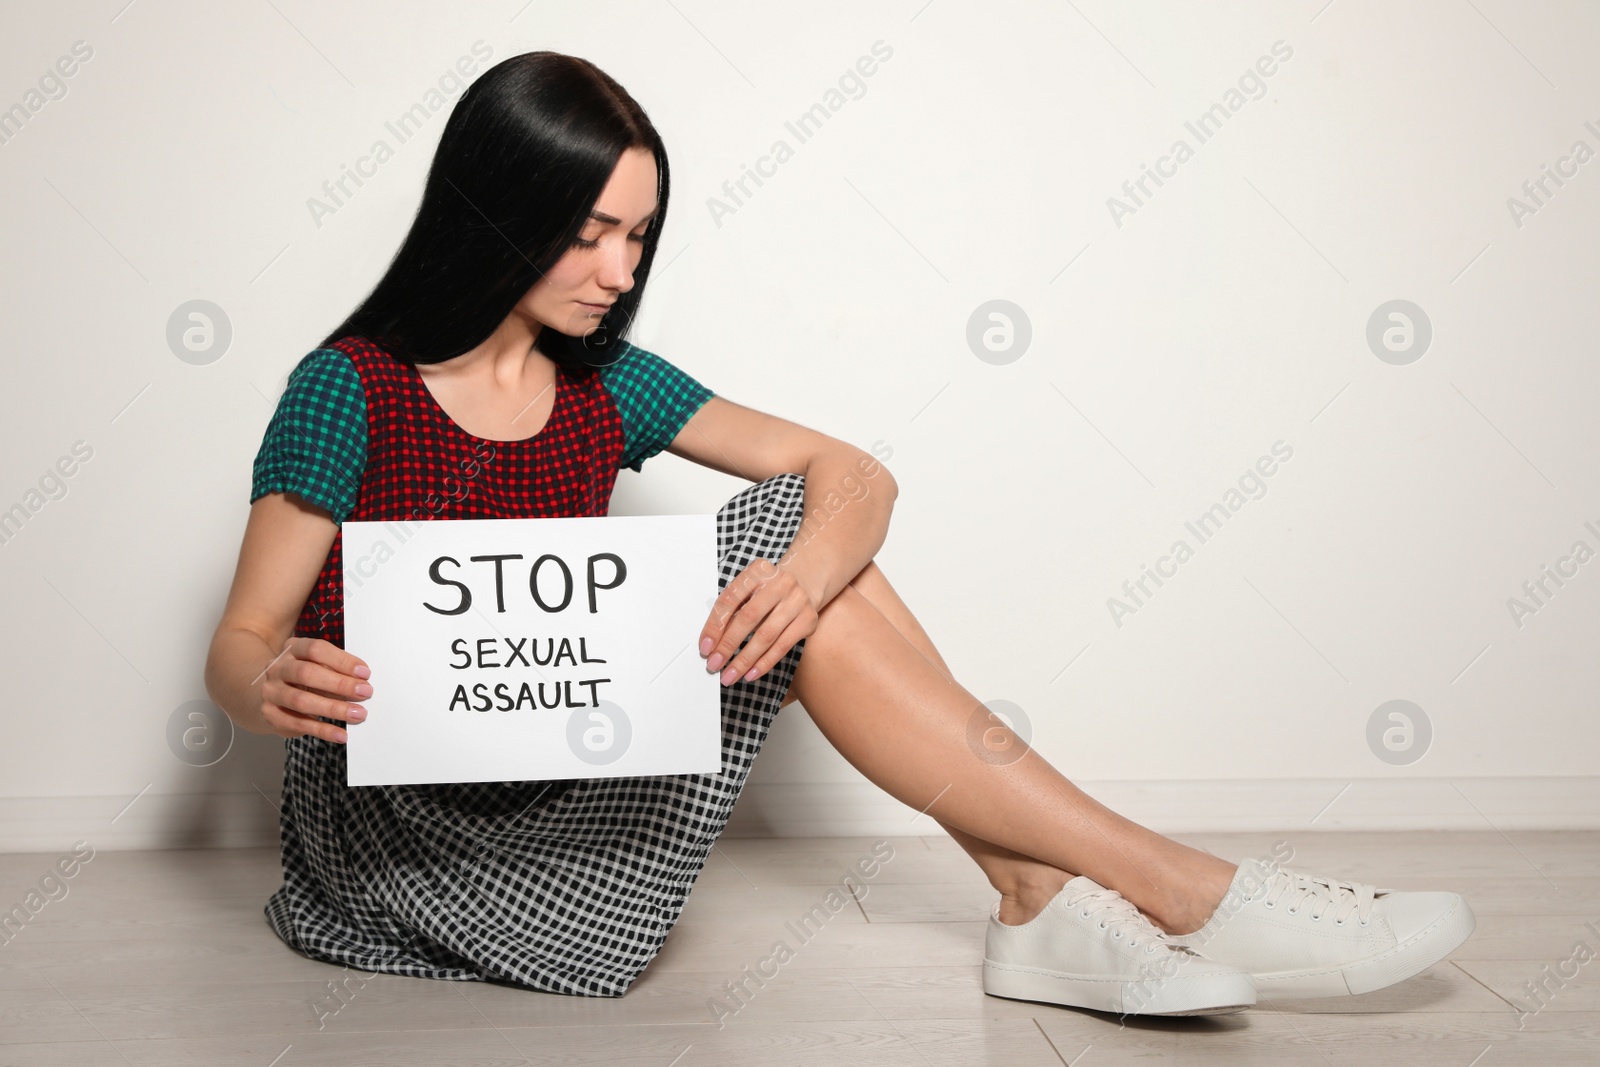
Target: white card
{"x":573,"y":657}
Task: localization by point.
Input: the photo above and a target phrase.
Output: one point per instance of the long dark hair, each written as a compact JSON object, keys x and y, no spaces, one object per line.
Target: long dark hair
{"x":524,"y":156}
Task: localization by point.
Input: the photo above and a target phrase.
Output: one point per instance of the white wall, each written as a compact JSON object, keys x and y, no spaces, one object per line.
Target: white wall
{"x":1171,"y":349}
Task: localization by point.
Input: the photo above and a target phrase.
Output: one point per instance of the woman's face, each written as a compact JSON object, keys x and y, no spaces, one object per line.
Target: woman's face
{"x":574,"y":295}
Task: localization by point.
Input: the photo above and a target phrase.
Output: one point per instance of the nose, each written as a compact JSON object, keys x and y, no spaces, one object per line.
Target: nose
{"x":616,"y":267}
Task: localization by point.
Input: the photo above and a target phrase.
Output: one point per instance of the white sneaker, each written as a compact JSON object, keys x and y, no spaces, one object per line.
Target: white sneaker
{"x":1300,"y":936}
{"x":1091,"y":948}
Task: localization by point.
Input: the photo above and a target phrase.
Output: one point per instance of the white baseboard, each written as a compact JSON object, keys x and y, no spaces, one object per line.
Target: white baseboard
{"x":851,"y":809}
{"x":152,"y":820}
{"x":862,"y":809}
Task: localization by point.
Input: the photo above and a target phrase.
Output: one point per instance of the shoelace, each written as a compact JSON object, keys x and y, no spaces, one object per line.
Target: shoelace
{"x":1325,"y":894}
{"x":1118,"y":914}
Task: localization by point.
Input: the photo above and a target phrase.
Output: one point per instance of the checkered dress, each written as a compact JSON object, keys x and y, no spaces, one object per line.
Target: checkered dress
{"x":564,"y":886}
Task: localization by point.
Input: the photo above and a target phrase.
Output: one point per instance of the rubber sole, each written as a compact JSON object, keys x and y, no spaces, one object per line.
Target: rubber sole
{"x":1212,"y":994}
{"x":1409,"y":958}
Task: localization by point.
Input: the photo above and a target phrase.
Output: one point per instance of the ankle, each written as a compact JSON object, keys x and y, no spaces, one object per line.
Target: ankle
{"x":1190,"y":909}
{"x":1022,"y":902}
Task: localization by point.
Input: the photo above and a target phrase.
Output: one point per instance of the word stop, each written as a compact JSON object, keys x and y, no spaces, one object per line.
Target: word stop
{"x":619,"y":572}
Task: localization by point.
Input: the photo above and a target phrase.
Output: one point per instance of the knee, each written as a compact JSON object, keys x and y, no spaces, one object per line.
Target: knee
{"x":790,"y":485}
{"x":782,"y":490}
{"x":791,"y":480}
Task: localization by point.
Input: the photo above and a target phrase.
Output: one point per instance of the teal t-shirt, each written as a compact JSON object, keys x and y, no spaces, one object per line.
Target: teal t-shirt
{"x":315,"y":445}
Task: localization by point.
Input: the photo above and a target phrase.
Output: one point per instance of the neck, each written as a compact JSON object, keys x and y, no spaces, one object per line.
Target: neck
{"x":506,"y":356}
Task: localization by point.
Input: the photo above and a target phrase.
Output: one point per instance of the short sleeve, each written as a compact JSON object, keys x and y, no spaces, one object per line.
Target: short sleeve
{"x":655,"y":400}
{"x":316,"y":444}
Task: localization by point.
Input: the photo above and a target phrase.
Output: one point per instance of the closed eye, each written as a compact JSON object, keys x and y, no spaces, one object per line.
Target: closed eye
{"x":581,"y":243}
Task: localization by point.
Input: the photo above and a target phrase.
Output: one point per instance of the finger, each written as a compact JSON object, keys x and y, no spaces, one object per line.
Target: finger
{"x":289,"y":723}
{"x":332,"y":656}
{"x":793,"y":618}
{"x":323,"y":679}
{"x":786,"y":640}
{"x":761,"y":640}
{"x":740,"y":625}
{"x":306,"y":702}
{"x":739,"y":589}
{"x":723,"y":608}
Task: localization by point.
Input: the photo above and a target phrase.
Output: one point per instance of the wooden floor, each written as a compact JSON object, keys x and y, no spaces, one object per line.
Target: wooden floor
{"x":165,"y":958}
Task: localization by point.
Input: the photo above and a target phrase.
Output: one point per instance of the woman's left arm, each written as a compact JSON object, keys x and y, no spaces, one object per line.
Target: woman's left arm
{"x":849,"y":496}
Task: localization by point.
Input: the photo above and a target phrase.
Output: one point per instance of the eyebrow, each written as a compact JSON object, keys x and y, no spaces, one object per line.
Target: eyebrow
{"x":600,"y":216}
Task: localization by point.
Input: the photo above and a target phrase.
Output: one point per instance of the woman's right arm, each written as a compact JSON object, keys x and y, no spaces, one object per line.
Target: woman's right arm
{"x":268,"y":681}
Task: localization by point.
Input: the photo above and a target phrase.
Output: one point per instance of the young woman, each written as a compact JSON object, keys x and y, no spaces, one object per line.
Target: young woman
{"x":487,"y":375}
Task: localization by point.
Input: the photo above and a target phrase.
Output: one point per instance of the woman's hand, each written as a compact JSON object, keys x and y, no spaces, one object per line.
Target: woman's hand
{"x":309,"y":678}
{"x":766,"y":603}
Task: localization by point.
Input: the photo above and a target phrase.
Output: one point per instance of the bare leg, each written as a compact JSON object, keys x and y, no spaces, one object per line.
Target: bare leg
{"x":882,"y":695}
{"x":1025,"y":884}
